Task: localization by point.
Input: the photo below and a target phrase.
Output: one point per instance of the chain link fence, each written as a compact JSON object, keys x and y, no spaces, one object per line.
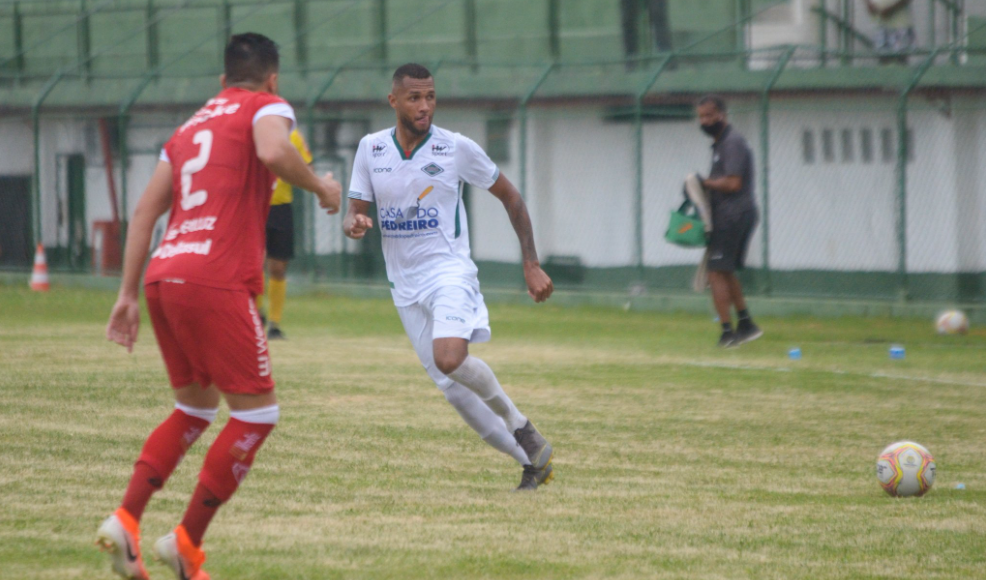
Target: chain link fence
{"x":863,"y":193}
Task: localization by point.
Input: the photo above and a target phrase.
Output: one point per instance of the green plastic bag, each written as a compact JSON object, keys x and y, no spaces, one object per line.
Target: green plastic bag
{"x":686,"y":228}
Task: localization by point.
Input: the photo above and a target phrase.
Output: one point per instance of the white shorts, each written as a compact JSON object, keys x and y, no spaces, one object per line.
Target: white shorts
{"x":449,"y":312}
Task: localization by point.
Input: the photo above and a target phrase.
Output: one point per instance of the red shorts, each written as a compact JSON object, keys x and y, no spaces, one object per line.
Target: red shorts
{"x":210,"y":336}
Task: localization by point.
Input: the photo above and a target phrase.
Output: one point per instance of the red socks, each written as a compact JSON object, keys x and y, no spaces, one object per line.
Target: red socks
{"x":226,"y":465}
{"x":161,"y":454}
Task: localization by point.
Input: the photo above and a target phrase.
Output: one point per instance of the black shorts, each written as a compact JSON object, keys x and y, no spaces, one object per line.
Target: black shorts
{"x":730,"y":240}
{"x":280,"y":232}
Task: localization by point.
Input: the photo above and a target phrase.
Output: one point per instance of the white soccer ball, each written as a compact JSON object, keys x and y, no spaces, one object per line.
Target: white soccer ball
{"x":952,"y":322}
{"x":905,"y":469}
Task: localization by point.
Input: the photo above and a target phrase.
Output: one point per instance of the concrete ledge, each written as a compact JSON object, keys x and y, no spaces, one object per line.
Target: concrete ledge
{"x":648,"y":301}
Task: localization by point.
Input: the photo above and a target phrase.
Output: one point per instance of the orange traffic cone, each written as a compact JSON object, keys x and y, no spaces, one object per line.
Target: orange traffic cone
{"x":39,"y":277}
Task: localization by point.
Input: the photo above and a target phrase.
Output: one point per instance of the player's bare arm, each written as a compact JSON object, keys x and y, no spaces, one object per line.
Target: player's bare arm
{"x":272,"y":138}
{"x":156,"y":200}
{"x":539,"y":284}
{"x":357,"y":219}
{"x":724,"y":184}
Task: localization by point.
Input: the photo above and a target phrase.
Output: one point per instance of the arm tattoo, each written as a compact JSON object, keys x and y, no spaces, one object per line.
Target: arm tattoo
{"x":521,"y":221}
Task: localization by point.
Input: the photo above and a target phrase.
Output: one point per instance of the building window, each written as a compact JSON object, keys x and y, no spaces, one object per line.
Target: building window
{"x":828,"y":146}
{"x":887,"y":145}
{"x":808,"y":146}
{"x":848,"y":151}
{"x":498,"y":139}
{"x":866,"y":145}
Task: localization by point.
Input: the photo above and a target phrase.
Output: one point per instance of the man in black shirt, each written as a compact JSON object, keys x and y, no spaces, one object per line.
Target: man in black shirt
{"x":734,"y":215}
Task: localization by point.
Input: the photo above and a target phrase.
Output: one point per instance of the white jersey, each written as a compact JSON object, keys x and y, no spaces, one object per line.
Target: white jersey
{"x":419,"y":207}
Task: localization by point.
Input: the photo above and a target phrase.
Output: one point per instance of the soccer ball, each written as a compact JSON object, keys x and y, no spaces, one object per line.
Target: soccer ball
{"x":905,"y":469}
{"x":952,"y":322}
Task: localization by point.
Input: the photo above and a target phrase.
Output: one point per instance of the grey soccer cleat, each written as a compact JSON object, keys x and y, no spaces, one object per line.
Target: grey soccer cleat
{"x":532,"y":477}
{"x":540,"y":453}
{"x":534,"y":444}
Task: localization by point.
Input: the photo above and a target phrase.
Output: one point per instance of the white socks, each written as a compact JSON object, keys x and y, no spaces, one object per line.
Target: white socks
{"x":484,"y":422}
{"x":479,"y":377}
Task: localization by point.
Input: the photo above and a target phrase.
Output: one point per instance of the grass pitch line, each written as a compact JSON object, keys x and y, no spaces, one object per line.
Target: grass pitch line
{"x":876,"y":375}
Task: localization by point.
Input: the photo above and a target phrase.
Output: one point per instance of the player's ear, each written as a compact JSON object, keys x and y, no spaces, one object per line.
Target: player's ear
{"x":222,"y":80}
{"x":392,"y":100}
{"x":271,"y":84}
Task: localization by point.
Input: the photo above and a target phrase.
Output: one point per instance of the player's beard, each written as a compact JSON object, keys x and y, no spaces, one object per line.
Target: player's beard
{"x":413,"y":130}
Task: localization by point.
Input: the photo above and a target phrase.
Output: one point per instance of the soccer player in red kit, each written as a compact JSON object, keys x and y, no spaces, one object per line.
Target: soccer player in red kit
{"x":215,"y":175}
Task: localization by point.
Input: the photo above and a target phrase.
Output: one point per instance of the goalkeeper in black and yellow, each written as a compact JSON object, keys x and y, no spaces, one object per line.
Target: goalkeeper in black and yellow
{"x":280,"y":246}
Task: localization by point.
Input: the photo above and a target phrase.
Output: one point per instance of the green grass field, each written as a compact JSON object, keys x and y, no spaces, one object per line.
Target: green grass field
{"x":673,"y":459}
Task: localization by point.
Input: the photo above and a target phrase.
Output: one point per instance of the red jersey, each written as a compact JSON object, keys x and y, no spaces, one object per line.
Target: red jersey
{"x":221,"y":192}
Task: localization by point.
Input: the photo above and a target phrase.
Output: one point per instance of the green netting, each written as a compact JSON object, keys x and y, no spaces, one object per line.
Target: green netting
{"x":598,"y":139}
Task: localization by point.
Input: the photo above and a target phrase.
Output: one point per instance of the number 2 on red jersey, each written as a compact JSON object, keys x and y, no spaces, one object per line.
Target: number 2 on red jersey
{"x":190,"y":199}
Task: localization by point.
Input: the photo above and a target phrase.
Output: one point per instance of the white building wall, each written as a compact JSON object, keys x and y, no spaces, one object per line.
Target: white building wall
{"x":827,"y":214}
{"x":836,"y":213}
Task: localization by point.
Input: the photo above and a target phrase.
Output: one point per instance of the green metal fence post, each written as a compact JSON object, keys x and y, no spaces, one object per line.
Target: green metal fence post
{"x":153,"y":39}
{"x":471,"y":34}
{"x":638,"y":191}
{"x":958,"y":9}
{"x":766,"y":285}
{"x":300,"y":16}
{"x":742,"y":8}
{"x":84,"y":43}
{"x":36,"y":127}
{"x":931,"y":23}
{"x":522,"y":114}
{"x":823,"y":34}
{"x":554,"y":28}
{"x":18,"y":40}
{"x":310,"y":115}
{"x":846,"y":9}
{"x":901,"y":172}
{"x":122,"y":124}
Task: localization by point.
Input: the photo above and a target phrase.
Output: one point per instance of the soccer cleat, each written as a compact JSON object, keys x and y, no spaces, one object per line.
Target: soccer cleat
{"x":539,"y":451}
{"x":728,"y":339}
{"x":532,"y":477}
{"x":746,"y":331}
{"x":178,"y":553}
{"x":119,"y":536}
{"x":274,"y":332}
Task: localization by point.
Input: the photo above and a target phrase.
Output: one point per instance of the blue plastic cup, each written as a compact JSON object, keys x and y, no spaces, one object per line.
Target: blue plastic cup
{"x":794,"y":353}
{"x":896,"y":352}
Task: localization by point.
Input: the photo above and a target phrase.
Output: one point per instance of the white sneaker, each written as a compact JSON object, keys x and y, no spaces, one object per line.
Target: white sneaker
{"x":119,"y":536}
{"x":178,"y":553}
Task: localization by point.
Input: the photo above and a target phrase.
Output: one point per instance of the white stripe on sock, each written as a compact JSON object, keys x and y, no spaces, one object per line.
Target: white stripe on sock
{"x":264,"y":415}
{"x":204,"y":414}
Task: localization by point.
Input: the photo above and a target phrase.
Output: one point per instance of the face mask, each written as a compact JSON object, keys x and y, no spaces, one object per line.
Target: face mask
{"x":714,"y":129}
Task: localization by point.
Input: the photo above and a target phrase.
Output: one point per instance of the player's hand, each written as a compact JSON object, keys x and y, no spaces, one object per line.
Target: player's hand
{"x":355,"y":226}
{"x":330,"y":198}
{"x":124,"y":322}
{"x":539,"y":286}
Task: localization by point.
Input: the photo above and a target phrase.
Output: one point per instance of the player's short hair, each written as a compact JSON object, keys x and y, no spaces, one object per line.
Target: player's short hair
{"x":715,"y":100}
{"x":411,"y":69}
{"x":250,"y":58}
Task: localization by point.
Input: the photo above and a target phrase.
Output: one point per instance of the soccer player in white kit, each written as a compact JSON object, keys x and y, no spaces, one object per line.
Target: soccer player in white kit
{"x":414,"y":172}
